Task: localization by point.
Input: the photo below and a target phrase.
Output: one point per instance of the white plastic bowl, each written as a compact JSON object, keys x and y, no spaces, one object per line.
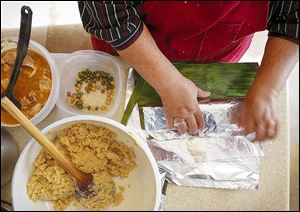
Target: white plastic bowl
{"x":143,"y":194}
{"x":53,"y":96}
{"x":93,"y":60}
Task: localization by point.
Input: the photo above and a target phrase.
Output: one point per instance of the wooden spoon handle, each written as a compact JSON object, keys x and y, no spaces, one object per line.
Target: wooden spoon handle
{"x":66,"y":164}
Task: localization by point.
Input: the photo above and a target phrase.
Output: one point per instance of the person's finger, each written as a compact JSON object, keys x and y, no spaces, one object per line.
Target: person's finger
{"x":170,"y":120}
{"x":192,"y":124}
{"x":203,"y":94}
{"x":234,"y":115}
{"x":271,"y":126}
{"x":182,"y":126}
{"x":199,"y":119}
{"x":239,"y":116}
{"x":276,"y":123}
{"x":249,"y":126}
{"x":271,"y":129}
{"x":240,"y":120}
{"x":260,"y":130}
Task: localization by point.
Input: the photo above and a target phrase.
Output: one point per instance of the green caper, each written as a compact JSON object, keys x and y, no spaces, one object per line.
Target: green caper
{"x":109,"y":86}
{"x":96,"y":108}
{"x":87,"y":89}
{"x":89,"y":107}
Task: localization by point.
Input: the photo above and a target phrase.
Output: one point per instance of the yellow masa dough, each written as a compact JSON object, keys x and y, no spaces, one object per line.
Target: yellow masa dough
{"x":92,"y":149}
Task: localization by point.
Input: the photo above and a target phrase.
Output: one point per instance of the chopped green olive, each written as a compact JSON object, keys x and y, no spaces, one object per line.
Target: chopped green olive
{"x":93,"y":79}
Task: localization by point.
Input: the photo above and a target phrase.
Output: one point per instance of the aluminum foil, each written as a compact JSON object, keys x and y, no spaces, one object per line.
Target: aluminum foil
{"x":215,"y":142}
{"x":216,"y":157}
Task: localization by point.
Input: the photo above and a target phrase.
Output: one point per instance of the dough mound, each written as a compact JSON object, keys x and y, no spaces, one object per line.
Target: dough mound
{"x":92,"y":149}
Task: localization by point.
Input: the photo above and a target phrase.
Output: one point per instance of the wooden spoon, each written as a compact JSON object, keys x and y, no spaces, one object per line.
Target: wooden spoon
{"x":84,"y":181}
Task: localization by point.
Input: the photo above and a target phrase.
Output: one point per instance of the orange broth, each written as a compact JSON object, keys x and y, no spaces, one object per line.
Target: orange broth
{"x":32,"y":88}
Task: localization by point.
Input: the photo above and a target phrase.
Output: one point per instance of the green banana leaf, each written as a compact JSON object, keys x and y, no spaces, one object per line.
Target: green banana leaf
{"x":140,"y":84}
{"x":223,"y":80}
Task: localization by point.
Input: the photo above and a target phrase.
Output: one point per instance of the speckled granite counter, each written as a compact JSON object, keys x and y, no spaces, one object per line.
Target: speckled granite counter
{"x":273,"y":191}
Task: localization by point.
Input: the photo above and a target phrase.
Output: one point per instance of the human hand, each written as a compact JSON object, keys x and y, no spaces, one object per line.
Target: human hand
{"x":257,"y":114}
{"x":181,"y":105}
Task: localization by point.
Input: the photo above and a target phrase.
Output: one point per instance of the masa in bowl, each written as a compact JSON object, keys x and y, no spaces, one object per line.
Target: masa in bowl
{"x":142,"y":185}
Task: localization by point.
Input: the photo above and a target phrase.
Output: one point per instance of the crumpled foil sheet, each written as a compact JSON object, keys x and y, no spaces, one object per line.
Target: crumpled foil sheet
{"x":214,"y":158}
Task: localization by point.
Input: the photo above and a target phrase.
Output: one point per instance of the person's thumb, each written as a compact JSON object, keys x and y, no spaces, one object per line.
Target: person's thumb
{"x":203,"y":94}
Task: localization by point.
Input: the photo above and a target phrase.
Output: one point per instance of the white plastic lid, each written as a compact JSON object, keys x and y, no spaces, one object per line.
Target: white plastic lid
{"x":93,"y":60}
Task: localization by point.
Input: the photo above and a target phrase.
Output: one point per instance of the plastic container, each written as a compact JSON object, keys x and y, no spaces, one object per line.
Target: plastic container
{"x":93,"y":60}
{"x":144,"y":193}
{"x":53,"y":96}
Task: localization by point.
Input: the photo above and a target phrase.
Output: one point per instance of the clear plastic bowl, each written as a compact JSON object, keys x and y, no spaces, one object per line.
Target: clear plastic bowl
{"x":52,"y":99}
{"x":93,"y":60}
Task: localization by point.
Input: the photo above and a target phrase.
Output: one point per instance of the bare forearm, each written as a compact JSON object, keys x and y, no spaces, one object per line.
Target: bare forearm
{"x":257,"y":112}
{"x":148,"y":60}
{"x":158,"y":71}
{"x":278,"y":61}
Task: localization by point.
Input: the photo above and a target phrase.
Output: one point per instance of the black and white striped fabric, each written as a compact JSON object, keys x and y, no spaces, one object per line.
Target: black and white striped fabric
{"x":283,"y":19}
{"x":119,"y":22}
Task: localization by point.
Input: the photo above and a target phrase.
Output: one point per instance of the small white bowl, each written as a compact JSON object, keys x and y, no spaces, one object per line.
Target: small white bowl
{"x":143,"y":194}
{"x":53,"y":96}
{"x":93,"y":60}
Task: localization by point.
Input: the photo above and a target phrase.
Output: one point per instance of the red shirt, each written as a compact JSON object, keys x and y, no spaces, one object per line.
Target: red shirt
{"x":187,"y":31}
